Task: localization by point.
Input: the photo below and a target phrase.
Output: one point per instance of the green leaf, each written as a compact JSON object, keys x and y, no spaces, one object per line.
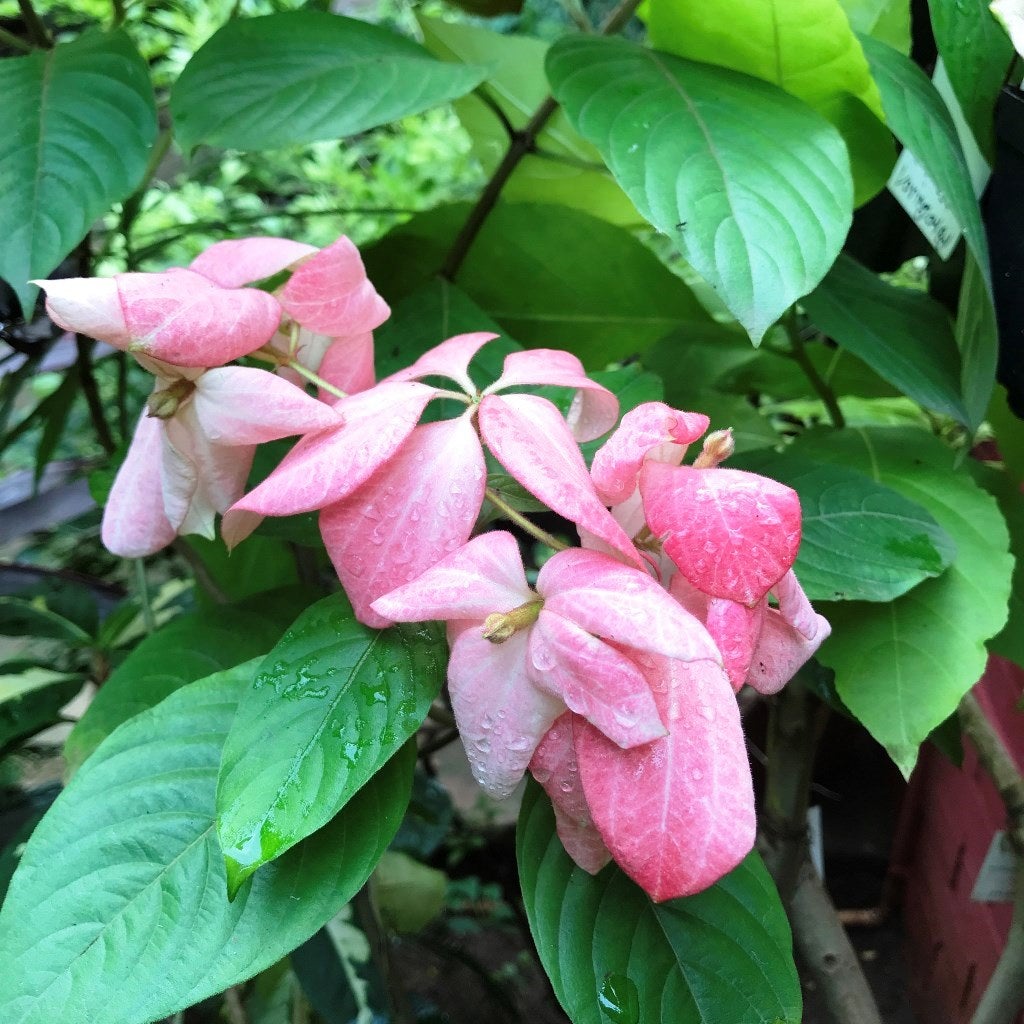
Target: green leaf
{"x":564,"y":170}
{"x":428,"y":819}
{"x":80,"y":123}
{"x":977,"y":54}
{"x":131,"y":921}
{"x":722,"y":955}
{"x":885,"y":20}
{"x":904,"y":335}
{"x":862,"y":541}
{"x":806,"y":47}
{"x":329,"y":705}
{"x":29,"y":619}
{"x":301,"y":76}
{"x":902,"y":668}
{"x":550,"y":276}
{"x":920,"y":119}
{"x":751,"y":184}
{"x":977,"y":335}
{"x":187,"y":648}
{"x":32,"y":700}
{"x":408,"y":894}
{"x":260,"y":564}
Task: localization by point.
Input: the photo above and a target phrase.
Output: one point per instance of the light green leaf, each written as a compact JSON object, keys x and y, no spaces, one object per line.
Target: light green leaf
{"x":551,"y":276}
{"x":80,"y":120}
{"x":301,"y":76}
{"x":408,"y":894}
{"x":722,"y":955}
{"x":806,"y":47}
{"x":904,"y":335}
{"x":328,"y":706}
{"x":977,"y":54}
{"x":977,"y":336}
{"x":885,"y":20}
{"x":564,"y":169}
{"x":187,"y":648}
{"x":902,"y":668}
{"x":862,"y":541}
{"x":751,"y":184}
{"x":131,"y":922}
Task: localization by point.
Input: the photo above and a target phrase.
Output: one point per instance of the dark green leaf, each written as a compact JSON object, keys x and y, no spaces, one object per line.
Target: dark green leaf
{"x":428,"y":819}
{"x":905,"y":336}
{"x":21,"y":618}
{"x":977,"y":54}
{"x":551,"y":276}
{"x":903,"y":667}
{"x":722,"y":955}
{"x":862,"y":541}
{"x":186,"y":649}
{"x":329,"y":705}
{"x":301,"y":76}
{"x":80,"y":123}
{"x":977,"y":336}
{"x":73,"y":601}
{"x":751,"y":184}
{"x":56,"y":420}
{"x":31,"y":701}
{"x":134,"y":929}
{"x":260,"y":564}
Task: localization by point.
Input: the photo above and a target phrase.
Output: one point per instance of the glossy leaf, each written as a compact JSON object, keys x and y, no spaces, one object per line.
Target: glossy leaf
{"x":328,"y":706}
{"x":862,"y":541}
{"x":59,"y":169}
{"x":886,"y":20}
{"x":134,"y":930}
{"x":600,"y":937}
{"x":806,"y":47}
{"x":186,"y":649}
{"x":550,"y":276}
{"x":904,"y":335}
{"x":300,"y":76}
{"x":902,"y":668}
{"x":977,"y":53}
{"x":751,"y":184}
{"x":565,"y":170}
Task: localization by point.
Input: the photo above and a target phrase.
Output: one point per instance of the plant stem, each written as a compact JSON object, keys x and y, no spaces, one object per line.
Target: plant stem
{"x":523,"y":523}
{"x":380,"y":950}
{"x":824,"y":392}
{"x":272,"y":355}
{"x":13,"y":41}
{"x":119,"y":12}
{"x":142,"y":591}
{"x":492,"y":104}
{"x":34,"y":25}
{"x":233,"y":1006}
{"x":1003,"y":998}
{"x":131,"y":206}
{"x":522,"y":142}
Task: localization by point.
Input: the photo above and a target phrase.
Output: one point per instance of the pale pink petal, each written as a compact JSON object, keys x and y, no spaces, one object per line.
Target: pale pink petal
{"x":483,"y":577}
{"x":241,"y":261}
{"x":732,"y":534}
{"x":245,"y":405}
{"x":87,"y":305}
{"x":735,"y":629}
{"x":418,"y":508}
{"x":179,"y":477}
{"x":182,"y":318}
{"x":134,"y":522}
{"x":789,"y":636}
{"x":166,"y":371}
{"x":221,"y":470}
{"x":348,"y":364}
{"x":594,"y":680}
{"x":501,"y":715}
{"x":652,"y":430}
{"x":325,"y":467}
{"x":594,"y":408}
{"x":621,"y":604}
{"x":331,"y":294}
{"x":529,"y":437}
{"x":554,"y":767}
{"x":678,"y":813}
{"x":449,"y":359}
{"x":692,"y":599}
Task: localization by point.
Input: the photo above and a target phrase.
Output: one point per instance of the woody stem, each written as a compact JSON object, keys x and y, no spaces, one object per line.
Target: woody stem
{"x":523,"y":523}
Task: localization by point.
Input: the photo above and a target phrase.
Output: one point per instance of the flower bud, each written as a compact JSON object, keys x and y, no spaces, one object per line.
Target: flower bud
{"x":718,"y":446}
{"x":164,"y":404}
{"x":502,"y":625}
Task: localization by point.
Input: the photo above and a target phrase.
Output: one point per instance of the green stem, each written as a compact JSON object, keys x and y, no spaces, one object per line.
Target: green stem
{"x":523,"y":523}
{"x":119,"y":12}
{"x":34,"y":25}
{"x":142,"y":591}
{"x":13,"y":41}
{"x":272,"y":355}
{"x":131,"y":206}
{"x":820,"y":385}
{"x":522,"y":142}
{"x":492,"y":104}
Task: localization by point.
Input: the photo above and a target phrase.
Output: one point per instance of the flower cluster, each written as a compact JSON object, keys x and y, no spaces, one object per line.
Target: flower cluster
{"x":613,"y":678}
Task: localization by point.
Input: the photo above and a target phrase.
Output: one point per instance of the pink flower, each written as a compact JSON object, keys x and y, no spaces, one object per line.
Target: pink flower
{"x":193,"y":449}
{"x":521,"y":657}
{"x":397,"y":497}
{"x":204,"y":316}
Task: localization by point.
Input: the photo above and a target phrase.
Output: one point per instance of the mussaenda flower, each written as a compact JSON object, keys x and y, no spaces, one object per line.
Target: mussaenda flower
{"x":397,"y":497}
